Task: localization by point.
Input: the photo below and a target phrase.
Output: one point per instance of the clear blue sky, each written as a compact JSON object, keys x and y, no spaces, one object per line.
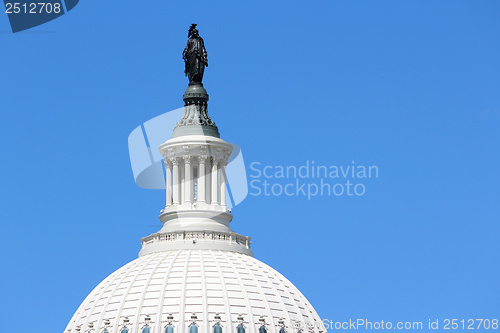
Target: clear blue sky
{"x":409,"y":86}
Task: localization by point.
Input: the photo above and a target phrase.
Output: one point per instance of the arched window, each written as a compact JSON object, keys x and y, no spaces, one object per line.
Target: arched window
{"x":282,"y":330}
{"x":124,"y":330}
{"x":146,"y":329}
{"x":217,"y":328}
{"x":262,"y":329}
{"x":240,"y":329}
{"x":193,"y":328}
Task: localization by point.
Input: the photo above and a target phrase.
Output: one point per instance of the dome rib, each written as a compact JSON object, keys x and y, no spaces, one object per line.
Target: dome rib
{"x":229,"y":319}
{"x":159,"y":311}
{"x":112,"y":278}
{"x":135,"y":325}
{"x":182,"y":309}
{"x":293,"y":299}
{"x":251,"y":321}
{"x":276,"y":291}
{"x":124,"y":299}
{"x":263,"y":295}
{"x":204,"y":291}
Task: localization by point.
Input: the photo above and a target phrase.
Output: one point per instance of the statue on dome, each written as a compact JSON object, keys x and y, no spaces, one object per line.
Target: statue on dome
{"x":195,"y":56}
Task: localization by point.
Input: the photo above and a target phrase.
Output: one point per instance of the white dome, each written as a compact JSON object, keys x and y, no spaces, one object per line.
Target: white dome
{"x":201,"y":282}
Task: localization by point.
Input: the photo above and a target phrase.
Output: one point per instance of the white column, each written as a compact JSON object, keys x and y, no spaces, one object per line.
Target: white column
{"x":168,"y":168}
{"x":208,"y":180}
{"x":182,"y":192}
{"x":187,"y":180}
{"x":215,"y":182}
{"x":201,"y":178}
{"x":176,"y":180}
{"x":223,"y":186}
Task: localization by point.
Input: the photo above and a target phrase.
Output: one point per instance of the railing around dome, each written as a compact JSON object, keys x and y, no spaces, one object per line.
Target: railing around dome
{"x":228,"y":237}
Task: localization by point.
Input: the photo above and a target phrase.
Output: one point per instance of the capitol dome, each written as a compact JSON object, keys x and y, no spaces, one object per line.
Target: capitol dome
{"x":195,"y":275}
{"x":167,"y":288}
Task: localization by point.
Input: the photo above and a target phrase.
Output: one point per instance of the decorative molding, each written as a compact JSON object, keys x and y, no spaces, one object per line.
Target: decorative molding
{"x":196,"y":110}
{"x":174,"y":161}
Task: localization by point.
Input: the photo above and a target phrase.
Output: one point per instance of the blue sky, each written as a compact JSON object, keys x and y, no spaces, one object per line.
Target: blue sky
{"x":409,"y":86}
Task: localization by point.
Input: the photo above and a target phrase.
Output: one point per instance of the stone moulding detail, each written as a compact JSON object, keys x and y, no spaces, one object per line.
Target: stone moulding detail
{"x":195,"y":119}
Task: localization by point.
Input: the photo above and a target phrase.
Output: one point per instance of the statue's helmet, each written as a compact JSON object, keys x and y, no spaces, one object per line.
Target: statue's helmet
{"x":192,"y":30}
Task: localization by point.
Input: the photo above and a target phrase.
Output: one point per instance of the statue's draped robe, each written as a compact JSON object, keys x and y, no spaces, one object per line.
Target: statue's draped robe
{"x":195,"y":57}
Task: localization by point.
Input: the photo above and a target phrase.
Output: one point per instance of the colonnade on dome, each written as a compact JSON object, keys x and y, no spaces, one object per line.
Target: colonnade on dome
{"x":195,"y":173}
{"x":197,"y":180}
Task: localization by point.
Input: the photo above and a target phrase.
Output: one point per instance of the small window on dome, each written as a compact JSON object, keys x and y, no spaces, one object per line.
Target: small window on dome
{"x":193,"y":329}
{"x":240,"y":329}
{"x":217,"y":328}
{"x":146,"y":329}
{"x":169,"y":329}
{"x":282,"y":330}
{"x":124,"y":330}
{"x":262,"y":329}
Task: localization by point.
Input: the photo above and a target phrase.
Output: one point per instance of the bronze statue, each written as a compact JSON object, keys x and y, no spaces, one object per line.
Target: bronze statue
{"x":195,"y":56}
